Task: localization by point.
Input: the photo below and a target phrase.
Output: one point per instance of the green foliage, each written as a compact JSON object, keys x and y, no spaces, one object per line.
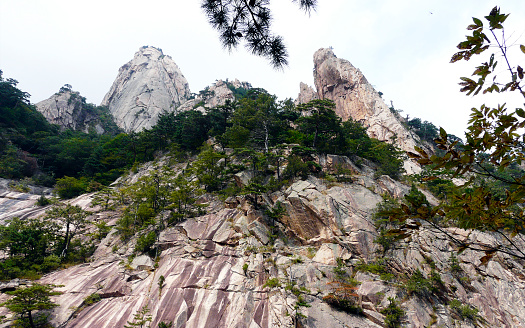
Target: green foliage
{"x":163,"y":324}
{"x":393,"y":314}
{"x":162,"y":190}
{"x":11,"y":165}
{"x":388,"y":158}
{"x":29,"y":244}
{"x":50,"y":263}
{"x":291,"y":287}
{"x":465,"y":311}
{"x":258,"y":122}
{"x":379,"y":267}
{"x":455,"y":268}
{"x":70,"y":218}
{"x":69,"y":187}
{"x":387,"y":230}
{"x":417,"y":284}
{"x":145,"y":243}
{"x":92,"y":299}
{"x":297,"y":260}
{"x":189,"y":129}
{"x":102,"y":230}
{"x":43,"y":201}
{"x":343,"y":297}
{"x":219,"y":117}
{"x":161,"y":283}
{"x":274,"y":215}
{"x":492,"y":198}
{"x":296,"y":168}
{"x":425,"y":130}
{"x":141,"y":319}
{"x":272,"y":283}
{"x":208,"y":170}
{"x":29,"y":304}
{"x":340,"y":270}
{"x":320,"y":125}
{"x":441,"y":187}
{"x":254,"y":189}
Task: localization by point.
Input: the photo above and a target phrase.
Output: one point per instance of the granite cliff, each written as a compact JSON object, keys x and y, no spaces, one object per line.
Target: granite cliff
{"x":227,"y":268}
{"x":146,"y":86}
{"x":338,"y":80}
{"x":69,"y":110}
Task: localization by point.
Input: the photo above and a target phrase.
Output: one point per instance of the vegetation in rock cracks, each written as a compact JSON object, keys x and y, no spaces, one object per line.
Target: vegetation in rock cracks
{"x":343,"y":290}
{"x":393,"y":314}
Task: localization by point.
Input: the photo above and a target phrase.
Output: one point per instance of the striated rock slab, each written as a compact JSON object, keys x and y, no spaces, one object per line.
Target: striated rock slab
{"x":145,"y":87}
{"x":20,"y":204}
{"x":216,"y":266}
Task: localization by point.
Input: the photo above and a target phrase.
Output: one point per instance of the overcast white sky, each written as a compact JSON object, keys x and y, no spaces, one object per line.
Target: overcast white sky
{"x":403,"y":47}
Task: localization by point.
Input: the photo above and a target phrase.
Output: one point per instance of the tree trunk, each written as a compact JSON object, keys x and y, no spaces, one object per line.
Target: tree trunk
{"x":66,"y":240}
{"x":30,"y":317}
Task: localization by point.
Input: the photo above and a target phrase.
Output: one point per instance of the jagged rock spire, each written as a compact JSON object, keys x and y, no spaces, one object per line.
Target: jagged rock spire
{"x":337,"y":79}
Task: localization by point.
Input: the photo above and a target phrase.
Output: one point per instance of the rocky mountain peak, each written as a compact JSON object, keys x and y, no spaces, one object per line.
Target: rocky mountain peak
{"x":215,"y":95}
{"x":337,"y":79}
{"x":146,"y":86}
{"x":69,"y":110}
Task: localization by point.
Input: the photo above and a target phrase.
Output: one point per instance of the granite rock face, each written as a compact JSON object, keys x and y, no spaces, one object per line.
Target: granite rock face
{"x":338,"y":80}
{"x":214,"y":95}
{"x":145,"y":87}
{"x":68,"y":109}
{"x":216,"y":265}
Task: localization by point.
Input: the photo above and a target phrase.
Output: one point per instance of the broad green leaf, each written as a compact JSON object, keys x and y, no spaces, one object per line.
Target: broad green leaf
{"x":477,"y":21}
{"x":442,"y":133}
{"x":421,"y":151}
{"x":413,"y":155}
{"x":522,"y":47}
{"x":424,"y":161}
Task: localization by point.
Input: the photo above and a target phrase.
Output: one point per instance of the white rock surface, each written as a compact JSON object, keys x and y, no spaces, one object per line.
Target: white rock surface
{"x":66,"y":109}
{"x":145,"y":87}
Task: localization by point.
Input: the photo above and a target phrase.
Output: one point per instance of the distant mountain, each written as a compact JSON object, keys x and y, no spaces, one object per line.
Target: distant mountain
{"x":146,"y":86}
{"x":69,"y":110}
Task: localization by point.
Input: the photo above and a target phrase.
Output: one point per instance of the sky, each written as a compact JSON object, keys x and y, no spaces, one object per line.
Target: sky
{"x":403,"y":47}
